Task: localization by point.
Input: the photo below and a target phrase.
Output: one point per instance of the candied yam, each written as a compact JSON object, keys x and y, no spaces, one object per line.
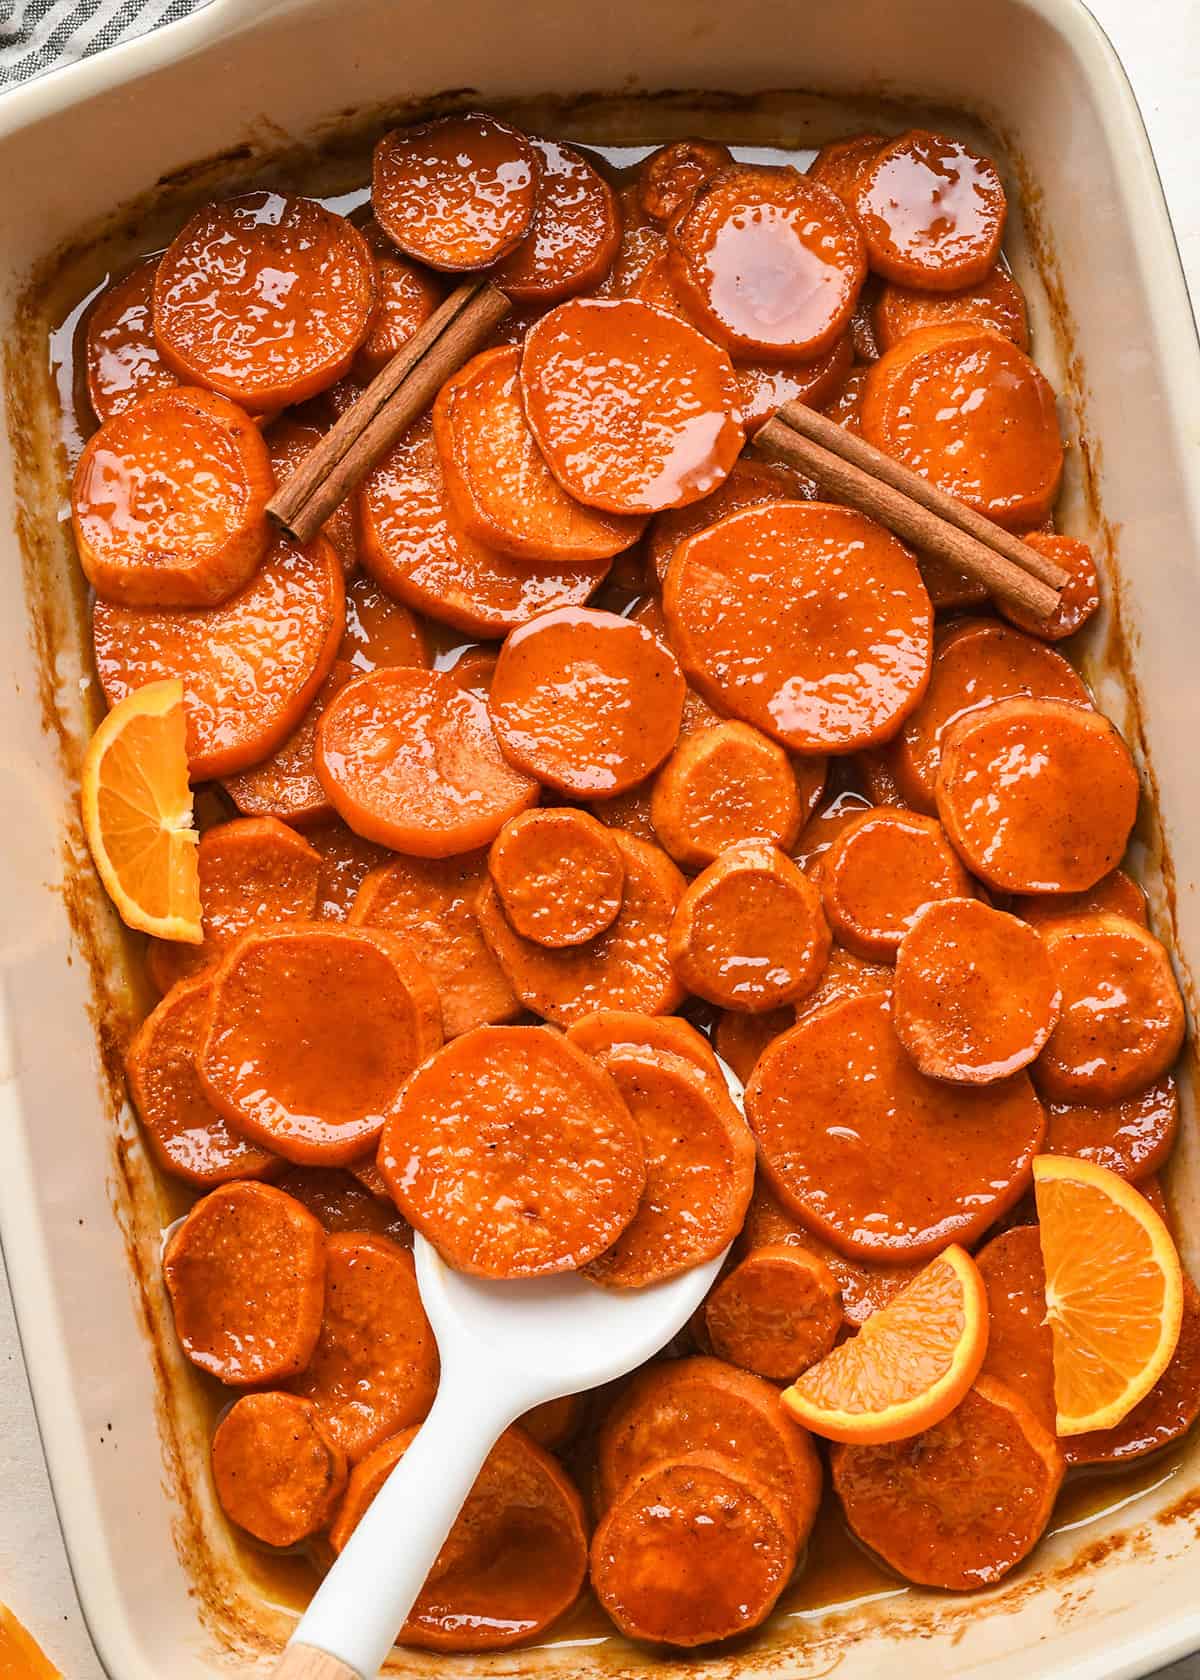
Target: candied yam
{"x":976,"y":996}
{"x":968,"y":410}
{"x":824,"y":826}
{"x":186,"y":1134}
{"x":880,"y":1161}
{"x":846,"y":975}
{"x":805,"y":619}
{"x":995,"y":302}
{"x":776,"y":1313}
{"x":498,"y":483}
{"x":1036,"y":795}
{"x":690,"y":1552}
{"x":168,"y":504}
{"x":416,"y":548}
{"x":699,"y":1159}
{"x":346,"y":860}
{"x":975,"y":663}
{"x":749,"y":933}
{"x":1132,"y":1137}
{"x":740,"y":1039}
{"x":770,"y":260}
{"x":641,"y":245}
{"x":1168,"y":1411}
{"x":264,"y":298}
{"x":626,"y":967}
{"x":881,"y":871}
{"x":1122,"y":1023}
{"x":379,"y":631}
{"x":250,"y":667}
{"x":286,"y":1003}
{"x":932,"y":211}
{"x":839,"y":165}
{"x":574,"y":234}
{"x":625,"y":1032}
{"x":586,"y":701}
{"x":962,"y":1503}
{"x":514,"y":1155}
{"x":353,"y":1199}
{"x":749,"y":483}
{"x":374,"y":1369}
{"x":515,"y":1559}
{"x":1080,"y":598}
{"x":766,"y":385}
{"x":457,"y":192}
{"x":245,"y":1272}
{"x":724,"y":785}
{"x":409,"y":760}
{"x":679,"y":1406}
{"x":634,"y":410}
{"x":285,"y":785}
{"x":430,"y":903}
{"x":289,"y":442}
{"x":277,"y":1473}
{"x":668,"y":180}
{"x":406,"y":295}
{"x":123,"y":363}
{"x":559,"y":875}
{"x":1115,"y":893}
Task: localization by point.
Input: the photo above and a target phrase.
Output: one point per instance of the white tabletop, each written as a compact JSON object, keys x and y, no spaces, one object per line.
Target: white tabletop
{"x":1159,"y":41}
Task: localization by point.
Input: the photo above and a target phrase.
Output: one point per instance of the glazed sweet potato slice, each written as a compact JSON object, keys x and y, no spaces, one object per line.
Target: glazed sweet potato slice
{"x":882,"y":870}
{"x":457,"y":192}
{"x":846,"y":976}
{"x":574,"y":234}
{"x":374,"y":1369}
{"x":418,"y":550}
{"x":278,"y":1473}
{"x":765,"y":385}
{"x":406,"y":295}
{"x":1132,"y":1137}
{"x":559,"y":874}
{"x":514,"y":1155}
{"x":857,"y":1143}
{"x":1114,"y":894}
{"x":285,"y":787}
{"x":691,"y":1551}
{"x":969,"y":411}
{"x":169,"y":499}
{"x":347,"y":1199}
{"x":625,"y":967}
{"x":1122,"y":1022}
{"x":500,"y":486}
{"x":995,"y":302}
{"x":749,"y":933}
{"x":963,"y":1503}
{"x":379,"y":630}
{"x":186,"y":1134}
{"x":976,"y":995}
{"x":264,"y":298}
{"x":699,"y":1158}
{"x":250,"y":666}
{"x":975,"y":663}
{"x":750,"y":483}
{"x":1168,"y":1411}
{"x":740,"y":1039}
{"x":625,"y":1032}
{"x":932,"y":210}
{"x":831,"y":816}
{"x":776,"y":1313}
{"x":123,"y":363}
{"x":1037,"y":796}
{"x":346,"y":861}
{"x":681,"y":1406}
{"x":409,"y":759}
{"x":289,"y":441}
{"x":634,"y":410}
{"x":286,"y":1004}
{"x":668,"y":180}
{"x":770,"y":260}
{"x":429,"y":902}
{"x":515,"y":1559}
{"x":245,"y":1272}
{"x":721,"y":786}
{"x":738,"y":604}
{"x":840,"y":164}
{"x":1080,"y":598}
{"x":587,"y":702}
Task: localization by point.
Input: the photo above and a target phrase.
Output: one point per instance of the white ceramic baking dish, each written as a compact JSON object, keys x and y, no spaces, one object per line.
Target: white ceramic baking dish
{"x":162,"y":1591}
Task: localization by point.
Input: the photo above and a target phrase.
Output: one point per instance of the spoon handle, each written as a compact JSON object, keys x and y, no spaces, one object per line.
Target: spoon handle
{"x":364,"y":1601}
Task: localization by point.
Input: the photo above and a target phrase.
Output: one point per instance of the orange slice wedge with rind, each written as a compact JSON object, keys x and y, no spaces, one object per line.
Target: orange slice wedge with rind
{"x":1114,"y":1291}
{"x":909,"y":1365}
{"x":137,"y":813}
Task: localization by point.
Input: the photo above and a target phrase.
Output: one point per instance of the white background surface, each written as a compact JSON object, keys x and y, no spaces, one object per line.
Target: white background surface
{"x":1159,"y":41}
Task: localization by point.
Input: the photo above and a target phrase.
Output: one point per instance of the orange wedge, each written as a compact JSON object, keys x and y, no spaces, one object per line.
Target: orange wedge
{"x":909,"y":1365}
{"x":1114,"y":1291}
{"x":137,"y":813}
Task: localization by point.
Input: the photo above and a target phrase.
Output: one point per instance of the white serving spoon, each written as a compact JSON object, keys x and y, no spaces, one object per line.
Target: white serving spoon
{"x":505,"y":1347}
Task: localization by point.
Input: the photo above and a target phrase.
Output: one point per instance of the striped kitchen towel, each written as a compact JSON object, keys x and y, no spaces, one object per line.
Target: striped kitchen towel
{"x":41,"y":35}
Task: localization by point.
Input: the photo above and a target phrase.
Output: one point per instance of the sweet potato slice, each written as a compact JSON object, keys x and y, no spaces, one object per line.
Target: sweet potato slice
{"x":839,"y":165}
{"x":346,"y":861}
{"x":668,"y":180}
{"x":347,"y":1199}
{"x":286,"y":1004}
{"x":245,"y":1271}
{"x":278,"y":1473}
{"x":289,"y":441}
{"x":721,"y":786}
{"x":379,"y":631}
{"x":1080,"y":598}
{"x":932,"y":210}
{"x":766,"y":385}
{"x":514,"y":1154}
{"x":559,"y":874}
{"x":845,"y":976}
{"x":880,"y":873}
{"x":995,"y":302}
{"x":776,"y":1313}
{"x":574,"y":234}
{"x":1019,"y":1351}
{"x":406,"y":295}
{"x":740,"y":1039}
{"x":624,"y":1032}
{"x":123,"y":363}
{"x":374,"y":1369}
{"x":1132,"y":1137}
{"x":284,"y":786}
{"x":750,"y":482}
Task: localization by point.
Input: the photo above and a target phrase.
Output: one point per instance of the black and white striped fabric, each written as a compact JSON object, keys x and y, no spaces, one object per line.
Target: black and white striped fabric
{"x":40,"y":35}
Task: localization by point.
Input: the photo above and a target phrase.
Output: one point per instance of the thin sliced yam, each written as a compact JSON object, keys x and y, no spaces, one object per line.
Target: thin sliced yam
{"x":845,"y":975}
{"x":776,"y":1313}
{"x":559,"y":875}
{"x":839,"y":165}
{"x":284,"y":787}
{"x":342,"y":1199}
{"x":740,"y":1039}
{"x":289,"y":441}
{"x":766,"y":385}
{"x":1020,"y":1347}
{"x":750,"y":482}
{"x":1080,"y":598}
{"x":406,"y":295}
{"x":346,"y":861}
{"x":625,"y":1032}
{"x":123,"y":363}
{"x":277,"y":1472}
{"x":1132,"y":1137}
{"x":574,"y":235}
{"x":821,"y":830}
{"x":514,"y":1155}
{"x":668,"y":180}
{"x":880,"y":873}
{"x":932,"y":210}
{"x":995,"y":302}
{"x":379,"y":630}
{"x":721,"y":786}
{"x":245,"y":1273}
{"x":1115,"y":893}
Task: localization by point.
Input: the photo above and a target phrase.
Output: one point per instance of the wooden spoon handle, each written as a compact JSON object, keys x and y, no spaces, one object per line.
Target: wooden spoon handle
{"x":305,"y":1662}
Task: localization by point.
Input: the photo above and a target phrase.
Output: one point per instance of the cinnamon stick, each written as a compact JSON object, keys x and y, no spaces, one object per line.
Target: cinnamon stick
{"x":849,"y":470}
{"x":396,"y":396}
